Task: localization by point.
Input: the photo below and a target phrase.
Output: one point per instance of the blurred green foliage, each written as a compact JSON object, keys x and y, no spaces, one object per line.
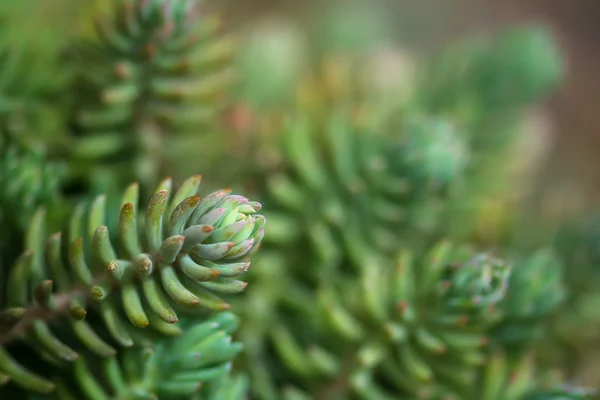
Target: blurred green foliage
{"x":393,"y":263}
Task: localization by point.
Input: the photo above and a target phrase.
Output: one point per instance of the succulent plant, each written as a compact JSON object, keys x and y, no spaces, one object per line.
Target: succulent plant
{"x":195,"y":365}
{"x":359,"y":294}
{"x":178,"y":259}
{"x":365,"y":187}
{"x":417,"y":329}
{"x":157,"y":68}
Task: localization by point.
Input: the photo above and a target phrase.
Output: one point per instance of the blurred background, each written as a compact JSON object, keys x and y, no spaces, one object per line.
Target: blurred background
{"x":396,"y":30}
{"x":569,"y":175}
{"x":565,"y":129}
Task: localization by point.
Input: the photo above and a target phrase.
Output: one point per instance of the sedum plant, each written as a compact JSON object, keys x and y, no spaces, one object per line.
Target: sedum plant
{"x":149,"y":82}
{"x":98,"y":311}
{"x":427,"y":327}
{"x":193,"y":365}
{"x":416,"y":329}
{"x":375,"y":281}
{"x":175,"y":259}
{"x":361,"y":174}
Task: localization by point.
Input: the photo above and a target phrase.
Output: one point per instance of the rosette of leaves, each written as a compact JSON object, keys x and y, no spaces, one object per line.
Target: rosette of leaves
{"x":157,"y":69}
{"x":537,"y":290}
{"x":418,"y":329}
{"x":346,"y":189}
{"x":178,"y":257}
{"x":195,"y":365}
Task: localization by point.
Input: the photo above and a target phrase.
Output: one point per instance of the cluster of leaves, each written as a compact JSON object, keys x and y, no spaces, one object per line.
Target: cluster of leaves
{"x":149,"y":86}
{"x":366,"y":289}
